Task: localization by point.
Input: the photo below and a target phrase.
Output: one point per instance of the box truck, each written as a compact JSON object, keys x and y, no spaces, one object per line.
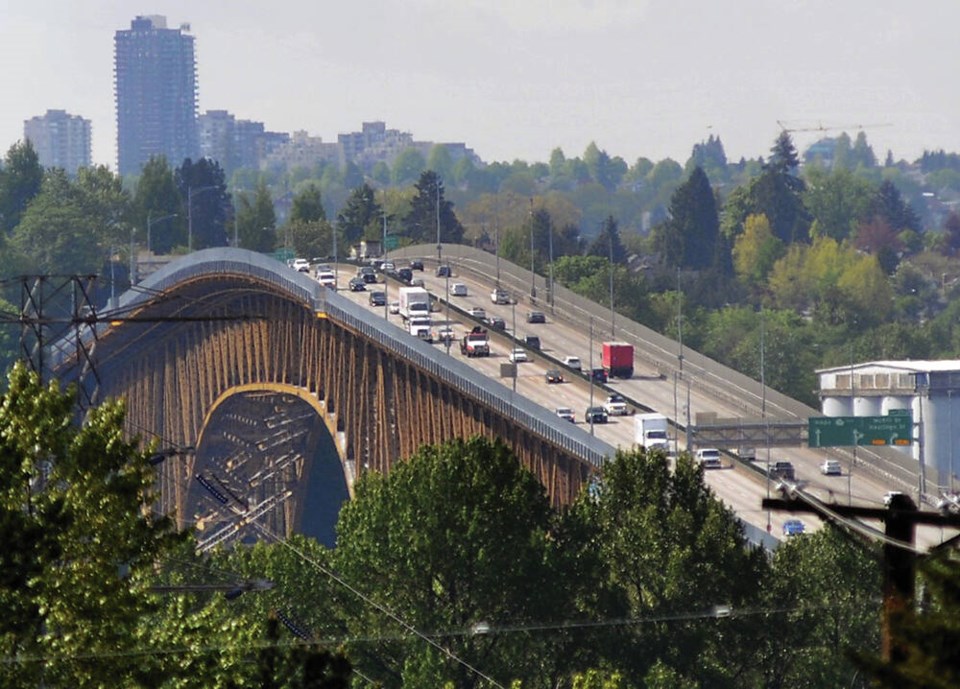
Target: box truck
{"x":617,"y":359}
{"x":650,"y":431}
{"x":414,"y":302}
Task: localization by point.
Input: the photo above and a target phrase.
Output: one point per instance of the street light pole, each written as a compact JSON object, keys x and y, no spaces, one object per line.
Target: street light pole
{"x":439,"y":245}
{"x":613,"y":333}
{"x":151,"y":223}
{"x":533,"y":275}
{"x":386,"y":293}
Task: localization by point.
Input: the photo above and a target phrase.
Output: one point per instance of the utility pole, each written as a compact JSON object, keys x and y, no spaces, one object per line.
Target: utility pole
{"x":901,"y":518}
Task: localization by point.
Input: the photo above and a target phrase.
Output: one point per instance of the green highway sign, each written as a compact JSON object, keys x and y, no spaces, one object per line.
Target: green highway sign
{"x":392,"y":242}
{"x":846,"y":431}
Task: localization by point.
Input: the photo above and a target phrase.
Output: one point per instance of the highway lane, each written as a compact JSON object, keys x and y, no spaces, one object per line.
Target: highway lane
{"x":738,"y":485}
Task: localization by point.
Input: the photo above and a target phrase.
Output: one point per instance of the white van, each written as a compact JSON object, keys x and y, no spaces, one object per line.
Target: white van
{"x":458,"y":289}
{"x":327,"y":278}
{"x":709,"y":458}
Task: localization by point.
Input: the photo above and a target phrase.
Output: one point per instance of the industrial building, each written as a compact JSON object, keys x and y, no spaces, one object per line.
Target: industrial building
{"x":927,"y":388}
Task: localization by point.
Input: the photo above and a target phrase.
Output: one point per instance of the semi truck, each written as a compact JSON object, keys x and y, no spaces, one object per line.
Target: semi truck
{"x":414,"y":302}
{"x":650,"y":431}
{"x":617,"y":359}
{"x":475,"y":343}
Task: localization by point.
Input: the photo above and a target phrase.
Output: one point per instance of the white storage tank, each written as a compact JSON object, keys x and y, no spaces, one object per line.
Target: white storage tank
{"x":866,"y":406}
{"x":837,"y":406}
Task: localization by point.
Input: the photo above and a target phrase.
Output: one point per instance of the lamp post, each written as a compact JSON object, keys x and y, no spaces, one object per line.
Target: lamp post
{"x":151,"y":223}
{"x":533,"y":275}
{"x":191,"y":192}
{"x":613,"y":334}
{"x":513,"y":308}
{"x":439,"y":245}
{"x":386,"y":294}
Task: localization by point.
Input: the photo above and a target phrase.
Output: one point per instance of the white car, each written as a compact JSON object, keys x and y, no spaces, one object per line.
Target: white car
{"x":477,"y":312}
{"x":327,"y":278}
{"x":566,"y":413}
{"x":518,"y":355}
{"x":301,"y":265}
{"x":394,"y":307}
{"x":709,"y":458}
{"x":572,"y":362}
{"x":831,"y":467}
{"x":458,"y":289}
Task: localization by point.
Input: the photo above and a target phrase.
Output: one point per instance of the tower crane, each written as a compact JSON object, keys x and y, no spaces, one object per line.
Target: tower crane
{"x":824,"y":129}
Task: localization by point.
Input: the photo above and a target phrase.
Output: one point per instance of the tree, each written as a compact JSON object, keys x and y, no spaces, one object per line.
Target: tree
{"x":20,"y":179}
{"x":308,"y":205}
{"x":440,"y":162}
{"x":890,"y":206}
{"x":79,"y":548}
{"x":928,"y":637}
{"x":361,"y":217}
{"x":837,"y":201}
{"x":695,"y":223}
{"x":428,"y":207}
{"x":457,"y":534}
{"x":256,"y":220}
{"x":205,"y":201}
{"x":646,"y":542}
{"x":756,"y":250}
{"x":608,"y":243}
{"x":408,"y":165}
{"x":157,"y":197}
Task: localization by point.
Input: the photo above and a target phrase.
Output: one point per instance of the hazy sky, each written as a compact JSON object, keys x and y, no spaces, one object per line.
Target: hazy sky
{"x":517,"y":78}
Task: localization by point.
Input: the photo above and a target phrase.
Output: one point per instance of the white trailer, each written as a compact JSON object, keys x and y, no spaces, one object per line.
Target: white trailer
{"x":414,"y":303}
{"x":650,"y":431}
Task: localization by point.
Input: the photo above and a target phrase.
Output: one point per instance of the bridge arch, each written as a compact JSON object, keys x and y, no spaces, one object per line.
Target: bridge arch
{"x":222,"y":321}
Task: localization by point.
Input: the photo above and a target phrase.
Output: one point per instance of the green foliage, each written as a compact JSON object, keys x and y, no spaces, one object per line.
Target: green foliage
{"x":608,"y":243}
{"x":837,"y":201}
{"x":690,"y":238}
{"x":408,"y":165}
{"x":308,"y":205}
{"x":157,"y":202}
{"x":455,"y":535}
{"x":428,"y":208}
{"x":203,"y":191}
{"x":257,"y":220}
{"x":79,"y":550}
{"x":21,"y":177}
{"x":823,"y":594}
{"x":756,"y":250}
{"x":656,"y":542}
{"x":927,"y":641}
{"x":361,"y":217}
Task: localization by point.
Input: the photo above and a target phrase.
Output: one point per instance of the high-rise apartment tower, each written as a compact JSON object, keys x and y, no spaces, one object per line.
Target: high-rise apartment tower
{"x":60,"y":140}
{"x":156,"y":92}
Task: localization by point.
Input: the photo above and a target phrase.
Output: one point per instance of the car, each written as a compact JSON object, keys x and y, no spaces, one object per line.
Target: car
{"x":387,"y":267}
{"x":598,"y":375}
{"x":536,"y":317}
{"x":709,"y":458}
{"x":532,"y":341}
{"x":446,"y":334}
{"x":301,"y":265}
{"x":553,"y":375}
{"x":500,"y":296}
{"x":518,"y":355}
{"x":566,"y":413}
{"x":369,"y":278}
{"x":572,"y":362}
{"x":477,"y":312}
{"x":416,"y":264}
{"x":831,"y":467}
{"x":793,"y":527}
{"x":327,"y":278}
{"x":405,"y":275}
{"x":496,"y":323}
{"x":358,"y":284}
{"x":783,"y":470}
{"x":378,"y":298}
{"x":616,"y":405}
{"x":444,"y":271}
{"x":595,"y":415}
{"x":458,"y":289}
{"x":416,"y":282}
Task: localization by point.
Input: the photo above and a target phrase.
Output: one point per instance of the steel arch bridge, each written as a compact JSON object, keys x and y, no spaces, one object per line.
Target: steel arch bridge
{"x":287,"y":392}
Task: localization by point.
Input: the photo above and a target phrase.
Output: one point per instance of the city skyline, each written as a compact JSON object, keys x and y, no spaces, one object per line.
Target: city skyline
{"x":517,"y":80}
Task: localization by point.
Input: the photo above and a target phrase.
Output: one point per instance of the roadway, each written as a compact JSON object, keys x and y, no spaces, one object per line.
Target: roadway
{"x":740,"y":485}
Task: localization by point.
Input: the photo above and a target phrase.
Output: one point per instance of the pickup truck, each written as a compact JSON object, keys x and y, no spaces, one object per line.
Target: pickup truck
{"x":616,"y":406}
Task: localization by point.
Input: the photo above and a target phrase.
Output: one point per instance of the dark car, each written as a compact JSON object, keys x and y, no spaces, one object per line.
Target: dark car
{"x":405,"y":274}
{"x":553,"y":375}
{"x":416,"y":264}
{"x":369,"y":278}
{"x":358,"y":284}
{"x":378,"y":299}
{"x":532,"y":341}
{"x":496,"y":323}
{"x":598,"y":375}
{"x":444,"y":272}
{"x":536,"y":317}
{"x":783,"y":470}
{"x":595,"y":415}
{"x":793,"y":527}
